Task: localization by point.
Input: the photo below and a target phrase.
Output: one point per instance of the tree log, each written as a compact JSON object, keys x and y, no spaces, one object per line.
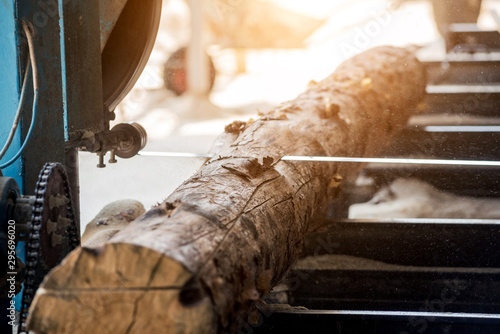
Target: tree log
{"x":193,"y":263}
{"x":109,"y":221}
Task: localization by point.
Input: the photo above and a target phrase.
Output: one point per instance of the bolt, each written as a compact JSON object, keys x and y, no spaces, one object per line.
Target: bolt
{"x":101,"y":163}
{"x":112,"y":157}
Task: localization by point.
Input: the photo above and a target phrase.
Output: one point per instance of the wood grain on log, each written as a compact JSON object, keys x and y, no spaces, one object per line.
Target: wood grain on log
{"x":232,"y":231}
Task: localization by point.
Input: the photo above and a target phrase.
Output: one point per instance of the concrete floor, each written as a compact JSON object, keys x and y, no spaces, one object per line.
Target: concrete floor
{"x":272,"y":76}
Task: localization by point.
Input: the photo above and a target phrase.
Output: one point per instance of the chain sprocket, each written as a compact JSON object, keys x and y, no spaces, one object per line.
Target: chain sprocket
{"x":53,"y":232}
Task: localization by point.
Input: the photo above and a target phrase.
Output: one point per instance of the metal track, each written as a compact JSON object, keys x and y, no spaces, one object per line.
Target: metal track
{"x":406,"y":276}
{"x":292,"y":320}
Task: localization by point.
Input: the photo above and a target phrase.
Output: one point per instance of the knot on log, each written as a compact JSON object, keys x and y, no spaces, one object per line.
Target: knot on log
{"x":192,"y":293}
{"x":249,"y":168}
{"x":330,"y":110}
{"x":165,"y":209}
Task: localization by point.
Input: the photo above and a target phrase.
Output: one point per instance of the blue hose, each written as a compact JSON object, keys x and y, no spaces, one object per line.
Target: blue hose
{"x":34,"y":69}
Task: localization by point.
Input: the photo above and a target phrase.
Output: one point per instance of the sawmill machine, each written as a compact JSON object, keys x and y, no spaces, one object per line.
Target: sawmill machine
{"x":65,"y":66}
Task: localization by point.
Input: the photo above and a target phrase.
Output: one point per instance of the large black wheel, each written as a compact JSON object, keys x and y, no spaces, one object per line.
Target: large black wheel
{"x":128,"y":49}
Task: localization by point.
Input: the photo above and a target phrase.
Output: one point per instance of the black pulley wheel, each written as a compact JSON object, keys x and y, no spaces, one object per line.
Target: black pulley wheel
{"x":133,"y":138}
{"x":128,"y":49}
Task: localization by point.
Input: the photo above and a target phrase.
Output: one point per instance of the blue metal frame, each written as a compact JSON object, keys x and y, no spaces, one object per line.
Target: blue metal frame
{"x":10,"y":82}
{"x":67,"y":47}
{"x":9,"y":85}
{"x":47,"y":141}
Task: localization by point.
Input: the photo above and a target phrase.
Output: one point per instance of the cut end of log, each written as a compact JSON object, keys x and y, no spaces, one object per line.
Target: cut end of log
{"x":121,"y":288}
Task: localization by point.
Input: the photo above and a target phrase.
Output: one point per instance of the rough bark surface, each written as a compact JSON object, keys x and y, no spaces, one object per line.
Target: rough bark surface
{"x":230,"y":232}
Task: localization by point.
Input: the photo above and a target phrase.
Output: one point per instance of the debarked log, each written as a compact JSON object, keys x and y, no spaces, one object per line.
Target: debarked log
{"x":193,"y":263}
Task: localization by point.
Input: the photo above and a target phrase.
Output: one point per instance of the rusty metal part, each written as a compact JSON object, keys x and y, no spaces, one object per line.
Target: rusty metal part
{"x":124,"y":140}
{"x":132,"y":139}
{"x":53,"y":232}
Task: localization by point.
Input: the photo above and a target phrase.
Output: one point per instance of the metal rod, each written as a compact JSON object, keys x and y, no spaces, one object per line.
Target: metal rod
{"x":112,"y":157}
{"x":462,"y":89}
{"x":395,"y":313}
{"x":462,"y":128}
{"x":175,"y":154}
{"x":404,"y":161}
{"x":101,"y":163}
{"x":418,"y":221}
{"x":396,"y":161}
